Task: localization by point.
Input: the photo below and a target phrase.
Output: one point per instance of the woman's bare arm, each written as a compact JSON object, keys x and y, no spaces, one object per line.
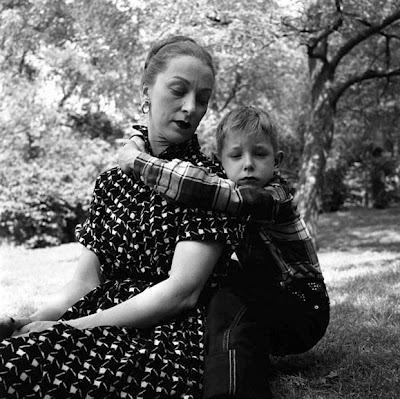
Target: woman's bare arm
{"x":192,"y":265}
{"x":86,"y":277}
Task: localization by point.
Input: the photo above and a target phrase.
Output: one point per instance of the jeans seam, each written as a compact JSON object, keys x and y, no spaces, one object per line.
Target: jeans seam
{"x":232,"y":352}
{"x":232,"y":371}
{"x":235,"y":322}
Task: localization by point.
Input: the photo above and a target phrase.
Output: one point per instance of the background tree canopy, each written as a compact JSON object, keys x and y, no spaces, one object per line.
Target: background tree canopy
{"x":70,"y":72}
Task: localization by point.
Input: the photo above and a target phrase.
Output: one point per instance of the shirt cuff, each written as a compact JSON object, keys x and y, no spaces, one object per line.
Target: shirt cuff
{"x":139,"y":163}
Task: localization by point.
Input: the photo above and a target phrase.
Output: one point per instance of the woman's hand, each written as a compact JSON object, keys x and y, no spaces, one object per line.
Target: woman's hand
{"x":35,"y":326}
{"x":9,"y":325}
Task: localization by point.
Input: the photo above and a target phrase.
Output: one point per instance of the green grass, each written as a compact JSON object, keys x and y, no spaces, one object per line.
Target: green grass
{"x":359,"y":357}
{"x":28,"y":277}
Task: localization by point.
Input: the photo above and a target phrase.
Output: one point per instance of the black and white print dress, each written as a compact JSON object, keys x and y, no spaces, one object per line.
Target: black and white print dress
{"x":133,"y":231}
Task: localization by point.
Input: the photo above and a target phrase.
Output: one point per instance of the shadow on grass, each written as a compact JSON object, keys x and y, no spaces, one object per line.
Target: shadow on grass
{"x":371,"y":229}
{"x":359,"y":355}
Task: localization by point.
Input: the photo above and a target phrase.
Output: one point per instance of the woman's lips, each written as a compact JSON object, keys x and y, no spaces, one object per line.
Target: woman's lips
{"x":183,"y":125}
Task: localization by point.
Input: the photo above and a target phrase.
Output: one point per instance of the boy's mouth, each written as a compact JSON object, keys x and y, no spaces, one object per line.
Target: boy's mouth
{"x":248,"y":181}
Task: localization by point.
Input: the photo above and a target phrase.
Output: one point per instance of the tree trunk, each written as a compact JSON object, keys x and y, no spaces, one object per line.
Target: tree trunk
{"x":317,"y":143}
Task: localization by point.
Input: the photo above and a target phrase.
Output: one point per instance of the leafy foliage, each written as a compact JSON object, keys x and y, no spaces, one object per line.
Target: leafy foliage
{"x":70,"y":73}
{"x":43,"y":198}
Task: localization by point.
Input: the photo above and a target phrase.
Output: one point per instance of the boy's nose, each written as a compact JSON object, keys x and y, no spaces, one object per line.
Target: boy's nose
{"x":248,"y":163}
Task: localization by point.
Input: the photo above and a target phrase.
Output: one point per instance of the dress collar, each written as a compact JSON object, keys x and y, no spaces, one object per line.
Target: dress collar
{"x":181,"y":150}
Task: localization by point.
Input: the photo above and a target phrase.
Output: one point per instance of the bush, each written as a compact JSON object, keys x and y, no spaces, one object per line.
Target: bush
{"x":95,"y":125}
{"x":40,"y":221}
{"x":43,"y":199}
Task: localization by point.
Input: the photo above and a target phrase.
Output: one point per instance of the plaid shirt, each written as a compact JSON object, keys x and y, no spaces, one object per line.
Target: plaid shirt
{"x":274,"y":229}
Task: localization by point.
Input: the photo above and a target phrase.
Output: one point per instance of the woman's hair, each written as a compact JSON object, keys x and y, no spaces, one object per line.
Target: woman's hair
{"x":250,"y":120}
{"x":167,"y":49}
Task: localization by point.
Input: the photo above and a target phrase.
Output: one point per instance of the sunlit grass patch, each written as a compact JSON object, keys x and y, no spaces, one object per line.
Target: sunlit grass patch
{"x":359,"y":356}
{"x":28,"y":277}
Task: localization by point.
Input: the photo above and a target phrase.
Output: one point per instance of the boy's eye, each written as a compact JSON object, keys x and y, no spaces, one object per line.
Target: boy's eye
{"x":235,"y":155}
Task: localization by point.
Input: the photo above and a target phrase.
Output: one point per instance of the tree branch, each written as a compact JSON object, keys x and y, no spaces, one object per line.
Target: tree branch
{"x":369,"y":25}
{"x":67,"y":93}
{"x":314,"y":41}
{"x":235,"y":88}
{"x":372,"y":30}
{"x":369,"y":74}
{"x":337,"y":24}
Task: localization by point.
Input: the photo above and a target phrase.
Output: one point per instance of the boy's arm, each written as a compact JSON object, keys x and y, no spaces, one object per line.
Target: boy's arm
{"x":194,"y":187}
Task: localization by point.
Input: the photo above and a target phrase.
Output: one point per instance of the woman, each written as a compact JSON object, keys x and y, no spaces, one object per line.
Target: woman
{"x":145,"y":263}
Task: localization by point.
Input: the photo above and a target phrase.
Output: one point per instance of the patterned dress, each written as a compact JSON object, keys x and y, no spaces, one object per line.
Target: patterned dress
{"x":133,"y":231}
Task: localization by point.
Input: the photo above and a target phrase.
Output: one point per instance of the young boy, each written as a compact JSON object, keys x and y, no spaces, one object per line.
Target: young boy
{"x":276,"y":302}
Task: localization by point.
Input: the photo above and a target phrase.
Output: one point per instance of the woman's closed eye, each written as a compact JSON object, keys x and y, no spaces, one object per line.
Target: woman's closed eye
{"x":178,"y":91}
{"x":201,"y":99}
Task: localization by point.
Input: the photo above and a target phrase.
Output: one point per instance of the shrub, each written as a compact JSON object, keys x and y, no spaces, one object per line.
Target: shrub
{"x":43,"y":199}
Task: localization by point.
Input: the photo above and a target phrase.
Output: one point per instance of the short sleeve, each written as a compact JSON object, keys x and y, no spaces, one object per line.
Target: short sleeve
{"x":199,"y":225}
{"x":91,"y":232}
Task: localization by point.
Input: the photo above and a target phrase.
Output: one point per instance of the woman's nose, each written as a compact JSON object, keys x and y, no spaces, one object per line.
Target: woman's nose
{"x":189,"y":103}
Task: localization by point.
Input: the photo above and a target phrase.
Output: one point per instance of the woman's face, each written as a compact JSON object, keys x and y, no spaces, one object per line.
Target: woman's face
{"x":179,"y":99}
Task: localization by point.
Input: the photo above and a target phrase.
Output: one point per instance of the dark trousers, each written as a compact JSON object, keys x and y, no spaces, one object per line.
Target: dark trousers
{"x":248,"y":320}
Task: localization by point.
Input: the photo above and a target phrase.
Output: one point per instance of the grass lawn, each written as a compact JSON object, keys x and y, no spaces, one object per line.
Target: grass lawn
{"x":358,"y":358}
{"x":359,"y":355}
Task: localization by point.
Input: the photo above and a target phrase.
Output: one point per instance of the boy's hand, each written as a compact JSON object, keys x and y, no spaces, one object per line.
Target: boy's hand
{"x":129,"y":152}
{"x":127,"y":155}
{"x":137,"y":139}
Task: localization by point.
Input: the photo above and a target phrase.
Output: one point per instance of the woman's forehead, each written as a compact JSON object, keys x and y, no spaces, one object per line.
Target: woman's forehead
{"x":189,"y":69}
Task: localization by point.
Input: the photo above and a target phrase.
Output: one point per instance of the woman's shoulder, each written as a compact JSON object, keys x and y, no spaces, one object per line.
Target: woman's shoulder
{"x":209,"y":162}
{"x":109,"y":173}
{"x":112,"y":177}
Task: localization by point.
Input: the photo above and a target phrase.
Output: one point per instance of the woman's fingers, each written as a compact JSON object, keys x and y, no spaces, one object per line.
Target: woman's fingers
{"x":20,"y":322}
{"x":7,"y":327}
{"x":35,"y":326}
{"x":18,"y":334}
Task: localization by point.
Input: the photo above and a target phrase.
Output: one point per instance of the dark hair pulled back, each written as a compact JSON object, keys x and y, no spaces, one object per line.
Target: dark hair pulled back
{"x":169,"y":48}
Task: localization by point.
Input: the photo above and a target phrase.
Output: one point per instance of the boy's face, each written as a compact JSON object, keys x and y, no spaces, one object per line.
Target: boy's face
{"x":248,"y":159}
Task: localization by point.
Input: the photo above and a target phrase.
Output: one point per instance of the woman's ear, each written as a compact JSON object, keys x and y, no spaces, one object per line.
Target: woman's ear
{"x":145,"y":100}
{"x":145,"y":94}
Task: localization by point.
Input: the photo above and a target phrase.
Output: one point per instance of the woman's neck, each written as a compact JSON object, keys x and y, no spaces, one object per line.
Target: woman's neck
{"x":157,"y":146}
{"x":157,"y":143}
